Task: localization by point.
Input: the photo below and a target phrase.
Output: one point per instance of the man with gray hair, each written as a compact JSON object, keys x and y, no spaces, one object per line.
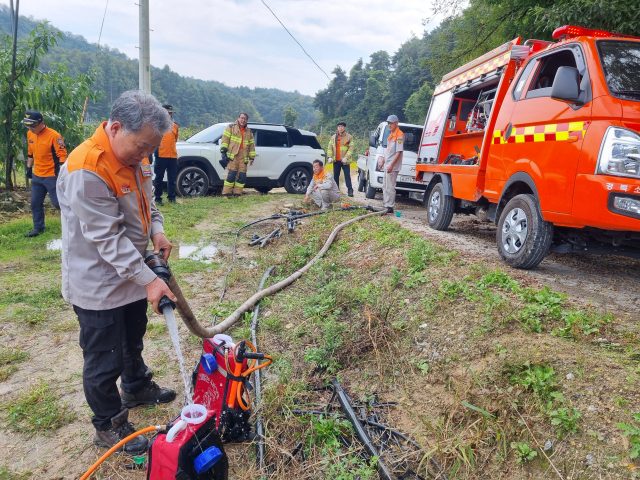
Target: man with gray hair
{"x":108,"y":218}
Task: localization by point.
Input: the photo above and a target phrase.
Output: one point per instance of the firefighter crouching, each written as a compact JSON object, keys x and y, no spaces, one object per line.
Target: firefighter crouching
{"x":322,"y":189}
{"x":342,"y":144}
{"x":46,"y":154}
{"x":108,"y":218}
{"x":237,"y":152}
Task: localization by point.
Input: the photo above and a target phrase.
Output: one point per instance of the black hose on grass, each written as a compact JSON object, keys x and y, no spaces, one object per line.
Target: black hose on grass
{"x":260,"y":447}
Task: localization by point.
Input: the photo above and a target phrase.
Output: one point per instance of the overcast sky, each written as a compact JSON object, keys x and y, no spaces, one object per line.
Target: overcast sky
{"x":239,"y":42}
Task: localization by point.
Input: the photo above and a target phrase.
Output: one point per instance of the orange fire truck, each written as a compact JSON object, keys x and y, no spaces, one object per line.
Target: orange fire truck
{"x":540,"y":138}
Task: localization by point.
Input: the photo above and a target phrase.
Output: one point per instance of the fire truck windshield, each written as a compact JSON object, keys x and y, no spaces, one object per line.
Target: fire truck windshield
{"x":621,"y":63}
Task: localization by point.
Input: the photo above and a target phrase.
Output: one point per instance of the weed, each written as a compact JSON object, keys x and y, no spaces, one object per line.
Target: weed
{"x":323,"y":356}
{"x":499,"y":279}
{"x":537,"y":378}
{"x":416,"y":279}
{"x":632,"y":430}
{"x":565,"y":419}
{"x":351,"y":468}
{"x":421,"y":365}
{"x":620,"y":401}
{"x":5,"y":372}
{"x":39,"y":410}
{"x":7,"y":474}
{"x":500,"y":350}
{"x":524,"y":453}
{"x":396,"y":276}
{"x":12,"y":355}
{"x":326,"y":433}
{"x":155,"y":330}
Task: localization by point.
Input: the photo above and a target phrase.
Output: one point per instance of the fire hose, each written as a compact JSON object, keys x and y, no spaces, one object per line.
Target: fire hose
{"x":195,"y":327}
{"x":118,"y":445}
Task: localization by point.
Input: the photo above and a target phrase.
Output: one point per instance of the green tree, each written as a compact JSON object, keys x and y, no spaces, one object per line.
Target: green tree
{"x":291,"y":116}
{"x":418,"y":105}
{"x":28,"y":57}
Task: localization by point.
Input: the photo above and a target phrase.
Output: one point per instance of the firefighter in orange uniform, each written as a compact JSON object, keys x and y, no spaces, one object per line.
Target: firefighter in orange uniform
{"x":166,"y":158}
{"x":45,"y":156}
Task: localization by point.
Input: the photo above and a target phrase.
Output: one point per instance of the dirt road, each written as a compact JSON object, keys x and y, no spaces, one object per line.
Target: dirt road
{"x":604,"y":280}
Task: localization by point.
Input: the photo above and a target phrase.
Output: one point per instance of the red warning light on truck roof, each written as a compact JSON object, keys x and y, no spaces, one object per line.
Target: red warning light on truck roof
{"x":569,"y":31}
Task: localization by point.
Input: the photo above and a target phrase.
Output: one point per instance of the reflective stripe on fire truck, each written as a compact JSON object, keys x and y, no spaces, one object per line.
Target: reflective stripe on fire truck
{"x":553,"y":132}
{"x":486,"y":67}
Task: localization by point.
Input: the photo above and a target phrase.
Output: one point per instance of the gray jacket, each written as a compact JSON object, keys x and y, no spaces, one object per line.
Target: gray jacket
{"x":324,"y":181}
{"x":108,"y":219}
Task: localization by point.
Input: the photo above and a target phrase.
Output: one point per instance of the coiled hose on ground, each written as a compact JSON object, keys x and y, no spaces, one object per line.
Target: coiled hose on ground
{"x":195,"y":327}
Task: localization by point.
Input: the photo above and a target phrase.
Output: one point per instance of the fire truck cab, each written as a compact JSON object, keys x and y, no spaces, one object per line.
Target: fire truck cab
{"x":540,"y":138}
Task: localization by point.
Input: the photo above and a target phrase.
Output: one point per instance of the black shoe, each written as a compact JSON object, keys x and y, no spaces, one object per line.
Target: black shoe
{"x":350,"y":192}
{"x":121,"y":429}
{"x":389,"y":209}
{"x":159,"y":202}
{"x":172,"y":201}
{"x":149,"y":395}
{"x":34,"y":233}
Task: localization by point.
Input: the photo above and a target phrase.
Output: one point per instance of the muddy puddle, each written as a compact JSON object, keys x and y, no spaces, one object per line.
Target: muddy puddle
{"x":205,"y":253}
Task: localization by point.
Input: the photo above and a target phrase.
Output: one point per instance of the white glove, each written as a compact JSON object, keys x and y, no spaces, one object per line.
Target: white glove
{"x":330,"y":160}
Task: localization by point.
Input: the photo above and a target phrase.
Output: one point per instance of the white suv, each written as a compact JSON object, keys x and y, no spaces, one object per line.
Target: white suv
{"x":370,"y":177}
{"x":284,"y":158}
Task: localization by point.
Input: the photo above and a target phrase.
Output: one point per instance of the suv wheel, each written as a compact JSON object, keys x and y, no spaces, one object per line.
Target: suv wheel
{"x":297,"y":180}
{"x":362,"y":180}
{"x":523,"y":236}
{"x":370,"y":192}
{"x":440,"y":208}
{"x":192,"y":182}
{"x":264,"y":190}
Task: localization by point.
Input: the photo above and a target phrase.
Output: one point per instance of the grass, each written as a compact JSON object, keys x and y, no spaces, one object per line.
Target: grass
{"x":473,"y":355}
{"x":8,"y":358}
{"x":38,"y":410}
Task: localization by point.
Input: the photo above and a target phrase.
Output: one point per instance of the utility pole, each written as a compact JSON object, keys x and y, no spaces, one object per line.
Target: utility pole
{"x":145,"y":54}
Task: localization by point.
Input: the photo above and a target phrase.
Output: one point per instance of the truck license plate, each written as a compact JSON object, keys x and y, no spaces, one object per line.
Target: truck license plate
{"x":407,"y":178}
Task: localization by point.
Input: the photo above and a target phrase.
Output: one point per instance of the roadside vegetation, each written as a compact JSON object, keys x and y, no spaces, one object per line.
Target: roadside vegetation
{"x":490,"y":372}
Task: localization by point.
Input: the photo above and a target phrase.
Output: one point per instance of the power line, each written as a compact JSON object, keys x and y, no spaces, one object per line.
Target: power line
{"x":294,"y":39}
{"x":102,"y":26}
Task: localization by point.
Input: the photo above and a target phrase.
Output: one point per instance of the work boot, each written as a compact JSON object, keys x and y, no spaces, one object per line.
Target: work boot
{"x":238,"y":195}
{"x":172,"y":201}
{"x":389,"y":209}
{"x":121,"y":429}
{"x":149,"y":395}
{"x":225,"y":197}
{"x":350,"y":192}
{"x":34,"y":233}
{"x":159,"y":202}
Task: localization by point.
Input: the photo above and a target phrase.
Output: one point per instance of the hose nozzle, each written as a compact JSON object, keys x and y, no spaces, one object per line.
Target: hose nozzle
{"x":160,"y":267}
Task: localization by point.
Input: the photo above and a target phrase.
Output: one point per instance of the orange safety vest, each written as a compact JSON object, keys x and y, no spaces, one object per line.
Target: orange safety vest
{"x":48,"y":152}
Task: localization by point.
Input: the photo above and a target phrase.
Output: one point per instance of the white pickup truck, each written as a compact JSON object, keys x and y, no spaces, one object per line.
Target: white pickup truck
{"x":370,"y":178}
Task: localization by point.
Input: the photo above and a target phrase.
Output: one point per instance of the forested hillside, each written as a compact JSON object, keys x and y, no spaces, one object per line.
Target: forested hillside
{"x":403,"y":83}
{"x":195,"y":101}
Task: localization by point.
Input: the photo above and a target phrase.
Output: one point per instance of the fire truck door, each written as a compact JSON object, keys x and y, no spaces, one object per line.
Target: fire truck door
{"x":434,"y":126}
{"x":545,"y":136}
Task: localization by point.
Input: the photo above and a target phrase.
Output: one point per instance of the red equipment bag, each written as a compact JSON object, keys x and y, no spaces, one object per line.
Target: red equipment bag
{"x":177,"y":460}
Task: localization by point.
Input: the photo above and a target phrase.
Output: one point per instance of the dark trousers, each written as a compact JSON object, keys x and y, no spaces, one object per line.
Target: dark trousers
{"x":111,"y":342}
{"x":171,"y":166}
{"x":40,"y":186}
{"x":337,"y":167}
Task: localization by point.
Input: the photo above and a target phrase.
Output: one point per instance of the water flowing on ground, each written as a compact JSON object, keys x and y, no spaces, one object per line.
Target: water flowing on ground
{"x":170,"y":318}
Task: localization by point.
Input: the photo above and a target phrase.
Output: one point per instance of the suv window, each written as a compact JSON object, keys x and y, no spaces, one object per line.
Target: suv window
{"x":546,"y":74}
{"x":208,"y":135}
{"x":297,"y":138}
{"x":621,"y":65}
{"x":269,"y":138}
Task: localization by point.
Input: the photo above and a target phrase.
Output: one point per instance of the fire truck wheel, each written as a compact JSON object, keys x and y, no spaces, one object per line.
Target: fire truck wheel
{"x":523,"y":236}
{"x":440,"y":208}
